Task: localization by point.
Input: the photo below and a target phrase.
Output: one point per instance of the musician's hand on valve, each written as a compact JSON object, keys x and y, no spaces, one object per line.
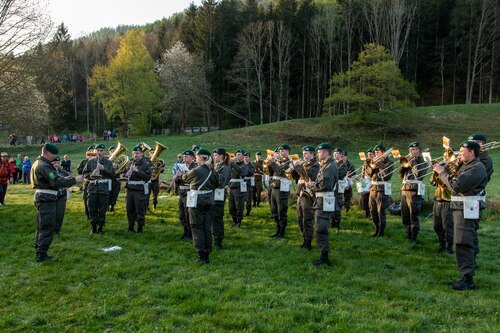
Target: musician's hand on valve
{"x":438,"y":168}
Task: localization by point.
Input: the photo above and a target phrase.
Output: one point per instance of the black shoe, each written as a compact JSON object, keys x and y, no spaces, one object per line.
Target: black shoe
{"x":248,"y":213}
{"x":307,"y":245}
{"x":413,"y":241}
{"x":449,"y":250}
{"x":218,"y":244}
{"x":464,"y":284}
{"x":139,"y":229}
{"x":278,"y":230}
{"x":154,"y":206}
{"x":131,"y":228}
{"x":441,"y":249}
{"x":43,"y":256}
{"x":323,"y":260}
{"x":303,"y":243}
{"x":281,"y":233}
{"x":111,"y":208}
{"x":381,"y":233}
{"x":99,"y":229}
{"x":94,"y":230}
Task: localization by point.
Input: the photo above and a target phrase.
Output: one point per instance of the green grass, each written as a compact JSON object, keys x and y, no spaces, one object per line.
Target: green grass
{"x":255,"y":284}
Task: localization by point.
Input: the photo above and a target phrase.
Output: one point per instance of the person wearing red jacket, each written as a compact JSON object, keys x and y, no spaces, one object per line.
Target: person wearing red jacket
{"x":5,"y":174}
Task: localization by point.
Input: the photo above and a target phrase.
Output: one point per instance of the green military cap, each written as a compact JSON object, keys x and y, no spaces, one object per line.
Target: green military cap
{"x":56,"y":159}
{"x":137,"y":148}
{"x":284,"y":147}
{"x":379,"y":147}
{"x":100,"y":146}
{"x":111,"y":148}
{"x":471,"y":145}
{"x":203,"y":151}
{"x":188,"y":153}
{"x":89,"y":148}
{"x":338,"y":150}
{"x":326,"y":146}
{"x":220,"y":151}
{"x":239,"y":151}
{"x":247,"y":153}
{"x":258,"y":153}
{"x":51,"y":148}
{"x":345,"y":152}
{"x":195,"y":147}
{"x":478,"y":137}
{"x":415,"y":144}
{"x":4,"y":154}
{"x":308,"y":148}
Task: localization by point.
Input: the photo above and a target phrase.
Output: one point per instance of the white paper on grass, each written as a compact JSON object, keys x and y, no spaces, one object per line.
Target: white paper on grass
{"x":111,"y":249}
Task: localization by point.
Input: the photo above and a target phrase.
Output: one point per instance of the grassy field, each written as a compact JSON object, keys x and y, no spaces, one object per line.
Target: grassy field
{"x":256,"y":283}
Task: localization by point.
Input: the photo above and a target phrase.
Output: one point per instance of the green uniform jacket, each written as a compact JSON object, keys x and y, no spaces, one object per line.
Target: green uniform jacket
{"x":196,"y":177}
{"x":96,"y":186}
{"x":279,"y":169}
{"x":326,"y":180}
{"x":224,"y":175}
{"x":44,"y":176}
{"x":143,"y":173}
{"x":416,"y":171}
{"x":488,"y":163}
{"x":471,"y":180}
{"x":238,"y":171}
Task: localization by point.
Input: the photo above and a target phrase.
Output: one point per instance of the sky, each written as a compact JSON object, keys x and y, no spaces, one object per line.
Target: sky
{"x":85,"y":16}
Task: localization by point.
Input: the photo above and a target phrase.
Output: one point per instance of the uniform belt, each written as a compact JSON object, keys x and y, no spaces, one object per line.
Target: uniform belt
{"x":469,"y":197}
{"x":202,"y":192}
{"x":100,"y":181}
{"x":184,"y":187}
{"x":379,"y":183}
{"x":412,"y":181}
{"x":53,"y":192}
{"x":322,"y":194}
{"x":236,"y":180}
{"x":249,"y":178}
{"x":136,"y":182}
{"x":278,"y":178}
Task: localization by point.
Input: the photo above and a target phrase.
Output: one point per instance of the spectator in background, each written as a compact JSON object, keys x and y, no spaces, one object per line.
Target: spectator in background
{"x":66,"y":164}
{"x":18,"y":172}
{"x":26,"y":167}
{"x":73,"y":138}
{"x":5,"y":174}
{"x":12,"y":165}
{"x":113,"y":134}
{"x":65,"y":138}
{"x":12,"y":139}
{"x":42,"y":140}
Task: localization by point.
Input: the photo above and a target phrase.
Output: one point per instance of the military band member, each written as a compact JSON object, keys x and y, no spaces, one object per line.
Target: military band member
{"x":324,"y":186}
{"x":443,"y":215}
{"x":380,"y":171}
{"x":188,"y":158}
{"x":412,"y":191}
{"x":115,"y":184}
{"x":202,"y":181}
{"x":221,"y":167}
{"x":351,"y":172}
{"x":258,"y":166}
{"x":250,"y":179}
{"x":159,"y":166}
{"x":339,"y":190}
{"x":62,"y":195}
{"x":98,"y":172}
{"x":46,"y":182}
{"x":302,"y":173}
{"x":237,"y":187}
{"x":89,"y":155}
{"x":483,"y":156}
{"x":138,"y":175}
{"x":468,"y":199}
{"x":365,"y":195}
{"x":280,"y":166}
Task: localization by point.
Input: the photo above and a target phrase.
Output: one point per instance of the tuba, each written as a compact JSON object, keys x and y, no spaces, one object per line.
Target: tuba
{"x":119,"y":159}
{"x":157,"y":163}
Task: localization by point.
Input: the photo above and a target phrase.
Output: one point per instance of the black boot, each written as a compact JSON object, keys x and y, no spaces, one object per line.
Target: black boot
{"x":139,"y":228}
{"x":303,"y":243}
{"x":218,"y":244}
{"x":189,"y":235}
{"x":207,"y":260}
{"x":375,"y":233}
{"x":307,"y":244}
{"x":278,"y":231}
{"x":238,"y":223}
{"x":235,"y":222}
{"x":449,"y":248}
{"x":465,"y":283}
{"x":323,"y":260}
{"x":414,"y":234}
{"x":248,"y":212}
{"x":183,"y":236}
{"x":99,"y":229}
{"x":408,"y":232}
{"x":281,"y":233}
{"x":111,"y":208}
{"x":441,"y":248}
{"x":94,"y":229}
{"x":131,"y":228}
{"x":43,"y":256}
{"x":381,"y":232}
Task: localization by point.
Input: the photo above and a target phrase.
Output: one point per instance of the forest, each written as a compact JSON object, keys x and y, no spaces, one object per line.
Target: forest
{"x":235,"y":63}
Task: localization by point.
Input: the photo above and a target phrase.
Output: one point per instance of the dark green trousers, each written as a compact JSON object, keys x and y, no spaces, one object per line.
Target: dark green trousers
{"x":279,"y":207}
{"x":218,"y":220}
{"x":45,"y":222}
{"x":305,"y":218}
{"x":443,"y":222}
{"x":411,"y":204}
{"x":183,"y":210}
{"x":136,"y":207}
{"x":236,"y":203}
{"x":322,"y":220}
{"x":201,"y":219}
{"x":378,"y":204}
{"x":465,"y":243}
{"x":98,"y":206}
{"x":60,"y":209}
